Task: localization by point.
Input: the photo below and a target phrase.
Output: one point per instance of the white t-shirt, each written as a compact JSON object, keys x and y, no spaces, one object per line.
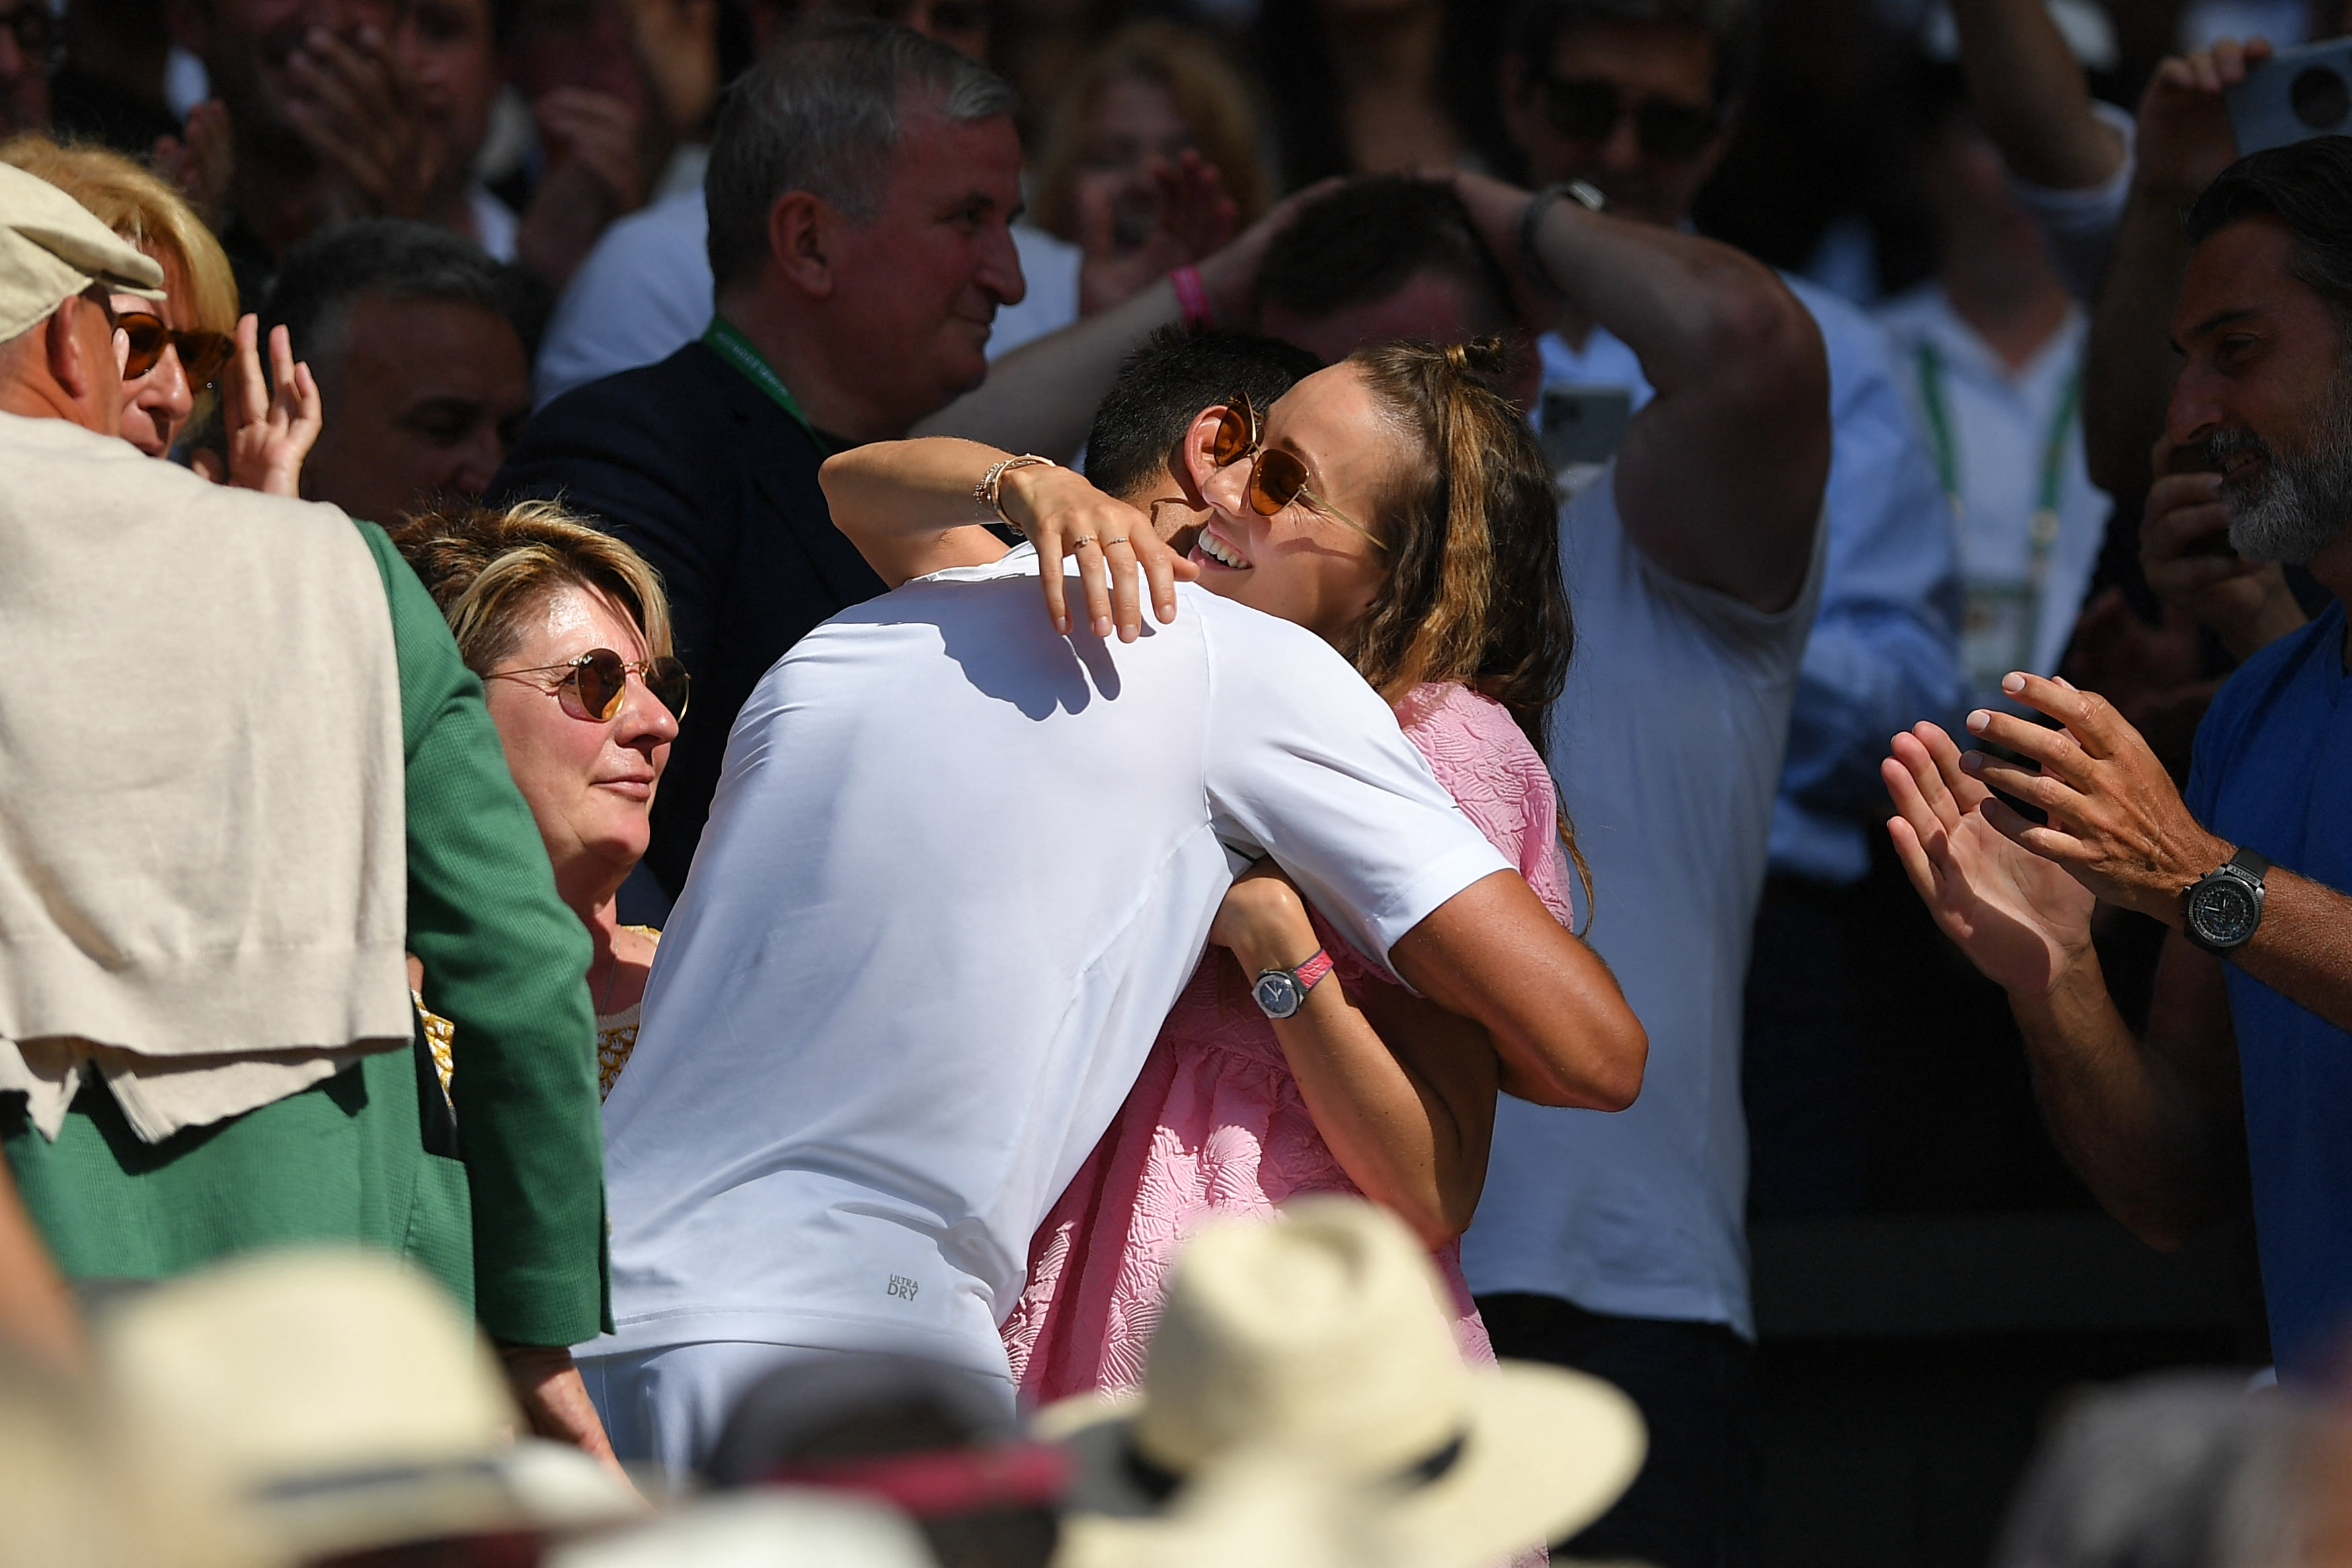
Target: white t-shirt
{"x":957,"y":871}
{"x":1667,"y":746}
{"x":643,"y":293}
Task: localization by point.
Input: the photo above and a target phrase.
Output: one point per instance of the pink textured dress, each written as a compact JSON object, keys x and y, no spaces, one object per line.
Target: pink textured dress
{"x":1216,"y":1124}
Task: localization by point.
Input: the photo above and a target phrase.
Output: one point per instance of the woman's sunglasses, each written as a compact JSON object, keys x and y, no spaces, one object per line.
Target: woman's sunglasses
{"x":1277,"y":477}
{"x":1587,"y":108}
{"x":594,"y":683}
{"x":202,"y":355}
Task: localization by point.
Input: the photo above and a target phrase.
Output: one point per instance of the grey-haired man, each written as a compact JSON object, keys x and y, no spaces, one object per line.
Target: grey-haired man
{"x":862,"y":179}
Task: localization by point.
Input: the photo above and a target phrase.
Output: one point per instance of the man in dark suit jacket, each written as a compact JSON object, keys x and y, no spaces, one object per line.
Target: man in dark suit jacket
{"x":857,"y":277}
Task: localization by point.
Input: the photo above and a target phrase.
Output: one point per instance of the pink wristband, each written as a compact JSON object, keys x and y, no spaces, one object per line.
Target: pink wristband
{"x":1192,"y":298}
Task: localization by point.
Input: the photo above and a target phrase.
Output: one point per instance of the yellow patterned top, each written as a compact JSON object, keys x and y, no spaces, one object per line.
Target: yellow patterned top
{"x":617,"y":1036}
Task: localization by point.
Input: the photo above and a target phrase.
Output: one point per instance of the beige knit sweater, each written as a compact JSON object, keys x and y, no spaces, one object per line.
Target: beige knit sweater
{"x":203,"y":849}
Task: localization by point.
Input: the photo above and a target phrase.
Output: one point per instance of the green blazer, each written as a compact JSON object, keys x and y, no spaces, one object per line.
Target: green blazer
{"x":507,"y":1207}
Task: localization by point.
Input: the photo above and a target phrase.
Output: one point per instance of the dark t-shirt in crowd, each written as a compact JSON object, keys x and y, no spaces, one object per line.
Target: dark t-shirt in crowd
{"x":2273,"y":771}
{"x":713,"y":482}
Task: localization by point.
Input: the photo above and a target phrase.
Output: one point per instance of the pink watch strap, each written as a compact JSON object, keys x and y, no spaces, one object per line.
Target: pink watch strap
{"x":1313,"y":970}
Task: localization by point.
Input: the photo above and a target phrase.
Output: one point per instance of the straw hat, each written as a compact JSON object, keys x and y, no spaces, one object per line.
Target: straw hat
{"x":1321,"y":1334}
{"x":52,"y":247}
{"x":767,"y":1529}
{"x":347,"y":1401}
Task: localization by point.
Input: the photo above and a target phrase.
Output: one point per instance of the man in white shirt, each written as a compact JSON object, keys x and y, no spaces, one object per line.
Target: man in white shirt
{"x":956,"y":872}
{"x":1624,"y":1250}
{"x":1693,"y":567}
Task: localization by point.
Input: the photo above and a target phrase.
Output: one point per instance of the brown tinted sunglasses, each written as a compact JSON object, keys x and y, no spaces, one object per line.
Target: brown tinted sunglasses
{"x":1277,"y":477}
{"x":594,"y":683}
{"x":203,"y":355}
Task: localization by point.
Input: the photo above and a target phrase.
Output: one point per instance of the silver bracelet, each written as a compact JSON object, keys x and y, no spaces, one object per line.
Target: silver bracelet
{"x":988,"y":495}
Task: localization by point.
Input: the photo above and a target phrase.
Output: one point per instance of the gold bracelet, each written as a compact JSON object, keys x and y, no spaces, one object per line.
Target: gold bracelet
{"x":988,"y":494}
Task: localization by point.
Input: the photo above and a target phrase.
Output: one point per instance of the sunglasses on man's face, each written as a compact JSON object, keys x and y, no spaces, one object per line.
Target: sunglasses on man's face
{"x":203,"y":355}
{"x":1587,"y":108}
{"x":594,"y":683}
{"x":1277,"y":477}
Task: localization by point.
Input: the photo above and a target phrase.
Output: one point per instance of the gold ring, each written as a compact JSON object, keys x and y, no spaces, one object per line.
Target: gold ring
{"x":1108,"y":542}
{"x":1082,"y":541}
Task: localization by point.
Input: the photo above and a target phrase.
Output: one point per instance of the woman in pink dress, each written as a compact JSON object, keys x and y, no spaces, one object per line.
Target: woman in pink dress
{"x":1366,"y":1089}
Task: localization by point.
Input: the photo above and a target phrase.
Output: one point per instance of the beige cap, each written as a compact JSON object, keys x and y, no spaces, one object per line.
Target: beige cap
{"x":52,"y":247}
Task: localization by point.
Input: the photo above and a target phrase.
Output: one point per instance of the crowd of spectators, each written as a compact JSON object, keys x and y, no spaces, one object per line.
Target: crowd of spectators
{"x":1098,"y":781}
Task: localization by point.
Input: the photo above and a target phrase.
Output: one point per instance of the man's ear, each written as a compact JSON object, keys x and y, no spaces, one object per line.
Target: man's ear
{"x":1192,"y":464}
{"x":67,"y":337}
{"x":802,"y":228}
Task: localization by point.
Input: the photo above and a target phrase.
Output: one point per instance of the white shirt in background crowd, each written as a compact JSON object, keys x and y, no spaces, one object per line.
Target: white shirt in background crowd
{"x":644,"y":292}
{"x":1884,"y":650}
{"x":956,"y":871}
{"x":2008,"y":451}
{"x":1667,"y":752}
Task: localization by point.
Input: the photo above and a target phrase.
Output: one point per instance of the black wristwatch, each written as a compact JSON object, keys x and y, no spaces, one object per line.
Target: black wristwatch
{"x":1585,"y":194}
{"x":2225,"y":905}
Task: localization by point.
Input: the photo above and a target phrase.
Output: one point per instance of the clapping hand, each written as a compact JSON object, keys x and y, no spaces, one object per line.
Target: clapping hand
{"x":2116,"y":822}
{"x":1191,"y":217}
{"x":595,"y":172}
{"x":2019,"y":918}
{"x":355,"y":109}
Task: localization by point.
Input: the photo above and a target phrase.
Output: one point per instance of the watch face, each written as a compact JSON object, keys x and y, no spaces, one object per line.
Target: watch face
{"x":2224,"y":912}
{"x":1276,"y":994}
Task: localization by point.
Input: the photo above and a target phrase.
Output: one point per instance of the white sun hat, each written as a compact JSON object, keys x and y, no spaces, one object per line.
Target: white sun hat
{"x":347,"y":1401}
{"x":1320,"y":1334}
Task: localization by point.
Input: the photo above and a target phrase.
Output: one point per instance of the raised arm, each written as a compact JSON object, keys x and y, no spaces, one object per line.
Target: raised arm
{"x":1041,"y":397}
{"x":2129,"y":366}
{"x":912,"y":507}
{"x":2029,"y":93}
{"x":1719,"y":478}
{"x":2154,"y":1127}
{"x":1494,"y":955}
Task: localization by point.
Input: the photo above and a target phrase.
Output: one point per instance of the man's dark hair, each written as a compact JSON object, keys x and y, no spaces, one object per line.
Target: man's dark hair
{"x":2307,"y":186}
{"x":1731,"y":25}
{"x":321,"y":278}
{"x":1164,"y":384}
{"x":820,"y":113}
{"x":1372,"y":236}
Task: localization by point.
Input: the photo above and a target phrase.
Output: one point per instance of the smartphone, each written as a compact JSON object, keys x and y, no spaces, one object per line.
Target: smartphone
{"x":1583,"y":424}
{"x":2295,"y":94}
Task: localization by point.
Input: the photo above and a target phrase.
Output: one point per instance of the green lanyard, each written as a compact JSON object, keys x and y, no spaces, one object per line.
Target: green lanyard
{"x":721,"y":339}
{"x":2043,"y":536}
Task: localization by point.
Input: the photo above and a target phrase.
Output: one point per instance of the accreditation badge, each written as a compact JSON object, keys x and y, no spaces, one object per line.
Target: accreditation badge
{"x":1998,"y":625}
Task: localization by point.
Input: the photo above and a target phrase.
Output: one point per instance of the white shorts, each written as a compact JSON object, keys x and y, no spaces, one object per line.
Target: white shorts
{"x":669,"y":1406}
